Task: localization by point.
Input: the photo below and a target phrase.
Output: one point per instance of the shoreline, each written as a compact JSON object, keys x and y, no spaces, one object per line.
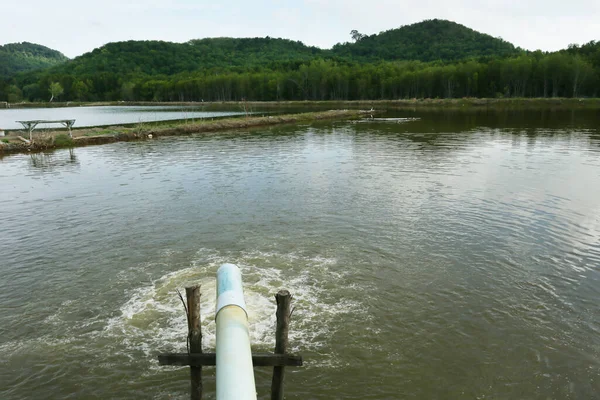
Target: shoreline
{"x":495,"y":103}
{"x":94,"y":136}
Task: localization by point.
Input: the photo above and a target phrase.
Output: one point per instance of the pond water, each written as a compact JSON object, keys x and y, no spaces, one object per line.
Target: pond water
{"x":106,"y":115}
{"x":456,"y":256}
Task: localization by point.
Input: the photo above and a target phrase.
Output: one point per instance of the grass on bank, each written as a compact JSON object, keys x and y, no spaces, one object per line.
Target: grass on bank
{"x":63,"y":140}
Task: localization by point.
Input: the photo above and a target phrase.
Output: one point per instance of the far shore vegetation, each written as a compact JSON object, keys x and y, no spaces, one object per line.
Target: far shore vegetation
{"x":311,"y":105}
{"x":433,"y":59}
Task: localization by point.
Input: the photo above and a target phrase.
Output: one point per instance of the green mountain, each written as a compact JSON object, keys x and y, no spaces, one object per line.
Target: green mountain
{"x":24,"y":57}
{"x":430,"y":59}
{"x":430,"y":40}
{"x":425,"y":41}
{"x":166,"y":58}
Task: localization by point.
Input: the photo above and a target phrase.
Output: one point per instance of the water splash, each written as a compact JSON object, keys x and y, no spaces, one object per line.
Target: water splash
{"x":152,"y":319}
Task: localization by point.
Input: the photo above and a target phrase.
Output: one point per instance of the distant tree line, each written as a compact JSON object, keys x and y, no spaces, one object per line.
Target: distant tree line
{"x":562,"y":74}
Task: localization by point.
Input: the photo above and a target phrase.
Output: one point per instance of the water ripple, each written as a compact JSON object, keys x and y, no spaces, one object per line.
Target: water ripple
{"x":449,"y":258}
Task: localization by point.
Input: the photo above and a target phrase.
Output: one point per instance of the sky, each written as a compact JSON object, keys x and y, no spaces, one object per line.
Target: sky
{"x":75,"y":27}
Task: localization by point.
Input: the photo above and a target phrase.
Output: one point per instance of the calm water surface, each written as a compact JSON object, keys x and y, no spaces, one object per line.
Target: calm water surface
{"x":454,"y":257}
{"x":106,"y":115}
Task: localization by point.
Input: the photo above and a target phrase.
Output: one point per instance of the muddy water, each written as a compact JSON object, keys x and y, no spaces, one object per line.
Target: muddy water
{"x":455,"y":256}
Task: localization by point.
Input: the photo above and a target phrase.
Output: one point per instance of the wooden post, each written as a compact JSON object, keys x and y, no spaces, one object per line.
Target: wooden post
{"x":284,"y":299}
{"x":68,"y":124}
{"x":195,"y":338}
{"x":30,"y":128}
{"x":196,"y":359}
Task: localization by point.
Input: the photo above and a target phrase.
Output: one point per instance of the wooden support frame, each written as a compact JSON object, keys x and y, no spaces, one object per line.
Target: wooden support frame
{"x":196,"y":359}
{"x":31,"y":125}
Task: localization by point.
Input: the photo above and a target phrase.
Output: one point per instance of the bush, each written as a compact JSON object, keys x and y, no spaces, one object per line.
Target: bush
{"x":63,"y":140}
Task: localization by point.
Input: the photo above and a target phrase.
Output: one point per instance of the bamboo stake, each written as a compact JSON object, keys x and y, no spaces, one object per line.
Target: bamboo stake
{"x":194,"y":338}
{"x":283,"y":298}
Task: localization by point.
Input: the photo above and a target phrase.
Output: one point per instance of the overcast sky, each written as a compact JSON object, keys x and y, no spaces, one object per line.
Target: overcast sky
{"x":75,"y":27}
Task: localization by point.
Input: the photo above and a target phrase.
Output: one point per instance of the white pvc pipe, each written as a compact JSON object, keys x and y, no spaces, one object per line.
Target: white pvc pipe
{"x":235,"y":374}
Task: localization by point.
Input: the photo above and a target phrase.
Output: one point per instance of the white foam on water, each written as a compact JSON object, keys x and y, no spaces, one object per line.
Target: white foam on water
{"x":153,"y":320}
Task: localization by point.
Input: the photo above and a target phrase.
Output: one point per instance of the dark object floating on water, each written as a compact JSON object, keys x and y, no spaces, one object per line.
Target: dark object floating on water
{"x":393,"y":120}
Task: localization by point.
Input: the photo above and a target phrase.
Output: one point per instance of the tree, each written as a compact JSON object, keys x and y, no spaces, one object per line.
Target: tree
{"x":127,"y":90}
{"x":55,"y":90}
{"x":356,"y":36}
{"x":14,"y":94}
{"x":32,"y":92}
{"x":79,"y":90}
{"x":580,"y":71}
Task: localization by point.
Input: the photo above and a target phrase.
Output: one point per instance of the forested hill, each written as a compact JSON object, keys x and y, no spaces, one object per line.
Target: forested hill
{"x":166,"y":58}
{"x":430,"y":40}
{"x":426,"y":41}
{"x":23,"y":57}
{"x":426,"y":60}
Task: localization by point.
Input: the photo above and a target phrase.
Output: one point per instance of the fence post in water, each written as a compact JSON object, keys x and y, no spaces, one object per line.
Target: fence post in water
{"x":235,"y":373}
{"x":195,"y":338}
{"x":283,"y":298}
